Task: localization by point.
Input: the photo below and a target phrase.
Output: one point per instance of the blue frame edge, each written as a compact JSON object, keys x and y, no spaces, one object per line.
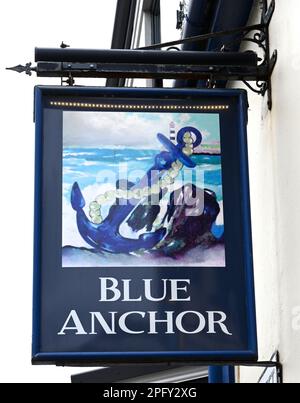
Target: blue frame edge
{"x":248,"y":252}
{"x":38,"y":117}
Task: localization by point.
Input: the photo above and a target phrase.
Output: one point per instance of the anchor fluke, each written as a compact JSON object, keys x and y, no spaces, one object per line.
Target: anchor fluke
{"x":77,"y":199}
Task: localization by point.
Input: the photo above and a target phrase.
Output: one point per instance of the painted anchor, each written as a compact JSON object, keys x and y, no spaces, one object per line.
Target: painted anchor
{"x":106,"y":237}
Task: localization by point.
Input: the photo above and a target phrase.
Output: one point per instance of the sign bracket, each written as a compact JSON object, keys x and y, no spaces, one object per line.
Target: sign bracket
{"x":123,"y":371}
{"x":72,"y":63}
{"x":276,"y":364}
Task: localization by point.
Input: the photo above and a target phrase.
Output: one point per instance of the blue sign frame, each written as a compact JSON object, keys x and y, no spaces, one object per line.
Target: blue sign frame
{"x":57,"y":291}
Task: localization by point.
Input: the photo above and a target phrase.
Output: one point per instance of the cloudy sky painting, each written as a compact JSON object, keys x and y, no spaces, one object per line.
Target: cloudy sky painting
{"x":132,"y":130}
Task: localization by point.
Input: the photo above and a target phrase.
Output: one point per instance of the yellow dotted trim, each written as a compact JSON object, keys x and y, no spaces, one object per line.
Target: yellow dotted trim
{"x":140,"y":106}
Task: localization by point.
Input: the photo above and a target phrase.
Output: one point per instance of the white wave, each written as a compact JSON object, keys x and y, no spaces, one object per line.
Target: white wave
{"x":73,"y":161}
{"x":90,"y":163}
{"x":210,"y":168}
{"x":80,"y":154}
{"x":66,"y":188}
{"x":220,"y":218}
{"x":71,"y":171}
{"x":70,"y":233}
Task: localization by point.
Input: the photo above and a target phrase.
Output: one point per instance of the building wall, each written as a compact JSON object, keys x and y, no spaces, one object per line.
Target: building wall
{"x":275,"y":190}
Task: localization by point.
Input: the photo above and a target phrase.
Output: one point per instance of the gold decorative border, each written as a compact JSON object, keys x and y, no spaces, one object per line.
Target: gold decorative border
{"x":104,"y":106}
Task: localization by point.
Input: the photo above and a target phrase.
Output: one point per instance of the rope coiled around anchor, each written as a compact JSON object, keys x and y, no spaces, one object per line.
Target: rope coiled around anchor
{"x":138,"y":194}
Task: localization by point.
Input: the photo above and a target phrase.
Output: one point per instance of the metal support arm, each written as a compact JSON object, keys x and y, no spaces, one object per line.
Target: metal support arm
{"x":152,"y":63}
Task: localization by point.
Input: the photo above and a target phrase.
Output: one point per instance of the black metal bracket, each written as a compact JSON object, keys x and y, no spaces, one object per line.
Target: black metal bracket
{"x":70,"y":80}
{"x":260,"y":37}
{"x":27,"y":69}
{"x":262,"y":40}
{"x":275,"y":363}
{"x":121,"y":372}
{"x":180,"y":16}
{"x":89,"y":64}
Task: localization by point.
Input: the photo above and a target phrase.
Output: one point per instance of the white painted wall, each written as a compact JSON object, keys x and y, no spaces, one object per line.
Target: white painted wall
{"x":274,"y":144}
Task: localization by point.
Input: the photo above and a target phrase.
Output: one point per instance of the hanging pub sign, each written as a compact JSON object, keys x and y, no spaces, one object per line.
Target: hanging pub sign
{"x":143,"y":233}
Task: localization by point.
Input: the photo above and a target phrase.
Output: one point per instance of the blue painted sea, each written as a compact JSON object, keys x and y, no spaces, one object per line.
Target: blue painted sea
{"x":91,"y":166}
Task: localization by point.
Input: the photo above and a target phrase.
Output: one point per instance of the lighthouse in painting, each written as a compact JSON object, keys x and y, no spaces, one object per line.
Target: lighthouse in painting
{"x":172,"y":132}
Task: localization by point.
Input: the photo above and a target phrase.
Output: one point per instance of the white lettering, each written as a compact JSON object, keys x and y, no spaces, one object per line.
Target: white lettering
{"x":212,"y":322}
{"x":127,"y":292}
{"x":104,"y":288}
{"x":175,"y":289}
{"x":188,"y":322}
{"x":112,"y":291}
{"x":120,"y":393}
{"x":103,"y":323}
{"x":124,"y":327}
{"x":148,"y":294}
{"x":78,"y":325}
{"x":199,"y":329}
{"x":153,"y":321}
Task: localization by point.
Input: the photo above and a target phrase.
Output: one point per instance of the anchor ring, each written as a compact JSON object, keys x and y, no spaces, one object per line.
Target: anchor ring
{"x":196,"y":132}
